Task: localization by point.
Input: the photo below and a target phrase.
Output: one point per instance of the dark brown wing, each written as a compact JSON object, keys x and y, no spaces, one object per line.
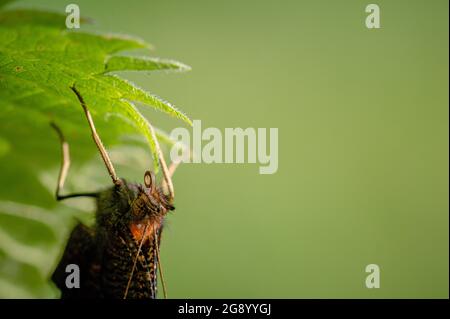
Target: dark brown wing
{"x":117,"y":264}
{"x":152,"y":268}
{"x":81,"y":251}
{"x":151,"y":263}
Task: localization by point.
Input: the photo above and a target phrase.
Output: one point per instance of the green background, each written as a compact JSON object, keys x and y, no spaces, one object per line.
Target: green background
{"x":363,"y":148}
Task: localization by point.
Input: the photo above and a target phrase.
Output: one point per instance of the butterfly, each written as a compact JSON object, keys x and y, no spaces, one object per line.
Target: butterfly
{"x":119,"y":256}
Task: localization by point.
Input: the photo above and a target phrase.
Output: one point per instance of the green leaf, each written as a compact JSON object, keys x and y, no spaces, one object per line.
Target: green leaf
{"x":130,"y":63}
{"x":40,"y":62}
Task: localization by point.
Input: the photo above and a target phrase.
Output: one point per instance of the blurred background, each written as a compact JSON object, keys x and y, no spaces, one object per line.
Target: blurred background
{"x":363,"y":150}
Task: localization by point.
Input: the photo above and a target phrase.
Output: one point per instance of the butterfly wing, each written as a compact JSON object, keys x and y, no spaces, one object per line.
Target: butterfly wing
{"x":80,"y":251}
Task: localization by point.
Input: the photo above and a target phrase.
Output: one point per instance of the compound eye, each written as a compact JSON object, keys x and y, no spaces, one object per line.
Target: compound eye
{"x":149,"y":179}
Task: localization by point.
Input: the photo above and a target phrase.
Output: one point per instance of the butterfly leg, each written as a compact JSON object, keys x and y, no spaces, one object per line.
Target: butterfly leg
{"x":171,"y":170}
{"x":167,"y":182}
{"x":65,"y":164}
{"x":97,"y":140}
